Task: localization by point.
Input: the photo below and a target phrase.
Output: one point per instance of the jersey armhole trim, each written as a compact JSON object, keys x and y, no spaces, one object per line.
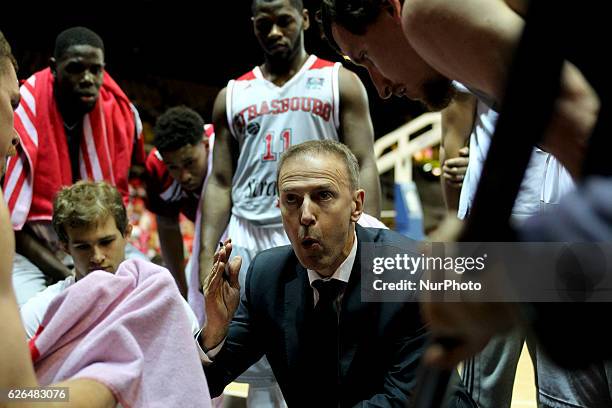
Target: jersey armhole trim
{"x":228,"y":106}
{"x":336,"y":94}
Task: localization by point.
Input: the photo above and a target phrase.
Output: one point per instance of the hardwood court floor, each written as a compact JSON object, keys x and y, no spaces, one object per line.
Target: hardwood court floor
{"x":524,"y":393}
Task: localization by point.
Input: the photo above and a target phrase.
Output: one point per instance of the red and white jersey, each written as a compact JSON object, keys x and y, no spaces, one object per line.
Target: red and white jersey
{"x":165,"y":196}
{"x":266,"y":119}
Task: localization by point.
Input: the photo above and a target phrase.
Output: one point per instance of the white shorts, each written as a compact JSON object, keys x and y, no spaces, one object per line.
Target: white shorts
{"x":255,"y":238}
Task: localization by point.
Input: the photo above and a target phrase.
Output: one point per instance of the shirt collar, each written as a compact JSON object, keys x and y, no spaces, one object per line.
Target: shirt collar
{"x":343,"y":273}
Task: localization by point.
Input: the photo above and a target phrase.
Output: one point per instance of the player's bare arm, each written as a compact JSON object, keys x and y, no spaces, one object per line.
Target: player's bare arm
{"x":357,"y":132}
{"x":171,"y":243}
{"x":457,"y":121}
{"x":217,"y":202}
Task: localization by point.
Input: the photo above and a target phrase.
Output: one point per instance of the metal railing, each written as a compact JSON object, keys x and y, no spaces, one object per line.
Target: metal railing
{"x":395,"y":150}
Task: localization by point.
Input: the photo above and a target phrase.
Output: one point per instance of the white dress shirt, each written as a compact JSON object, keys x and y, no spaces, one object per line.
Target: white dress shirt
{"x":343,"y":274}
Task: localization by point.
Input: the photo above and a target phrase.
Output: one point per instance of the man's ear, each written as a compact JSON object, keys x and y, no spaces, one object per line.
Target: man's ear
{"x":394,"y":8}
{"x":206,"y":143}
{"x":53,"y":66}
{"x":128,"y":231}
{"x":306,"y":18}
{"x":357,"y":204}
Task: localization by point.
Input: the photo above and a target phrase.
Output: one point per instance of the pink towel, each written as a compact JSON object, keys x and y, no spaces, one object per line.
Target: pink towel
{"x":128,"y":331}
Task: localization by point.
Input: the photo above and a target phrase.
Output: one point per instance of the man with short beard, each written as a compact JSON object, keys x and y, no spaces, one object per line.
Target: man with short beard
{"x":74,"y":122}
{"x":420,"y":46}
{"x":419,"y":42}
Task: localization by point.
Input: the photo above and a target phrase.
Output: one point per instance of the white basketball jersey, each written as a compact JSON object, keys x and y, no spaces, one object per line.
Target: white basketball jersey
{"x":266,"y":119}
{"x":527,"y":201}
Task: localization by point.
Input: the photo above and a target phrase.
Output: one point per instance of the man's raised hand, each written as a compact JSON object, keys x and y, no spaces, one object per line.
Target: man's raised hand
{"x":221,"y":295}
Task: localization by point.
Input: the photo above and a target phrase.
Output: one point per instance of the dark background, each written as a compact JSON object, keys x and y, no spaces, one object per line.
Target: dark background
{"x":169,"y":52}
{"x":172,"y":52}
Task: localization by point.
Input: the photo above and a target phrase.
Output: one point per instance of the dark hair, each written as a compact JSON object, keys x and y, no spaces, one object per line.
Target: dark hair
{"x":177,"y":127}
{"x":5,"y":51}
{"x":297,"y":4}
{"x":76,"y":36}
{"x":353,"y":15}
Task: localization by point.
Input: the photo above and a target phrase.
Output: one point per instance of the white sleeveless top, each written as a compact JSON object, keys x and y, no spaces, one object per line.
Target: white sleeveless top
{"x":266,"y":119}
{"x":528,"y":199}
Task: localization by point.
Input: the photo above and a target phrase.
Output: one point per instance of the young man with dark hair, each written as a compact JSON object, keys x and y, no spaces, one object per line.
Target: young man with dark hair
{"x":176,"y":171}
{"x":419,"y":46}
{"x":74,"y":122}
{"x":404,"y":72}
{"x":473,"y":42}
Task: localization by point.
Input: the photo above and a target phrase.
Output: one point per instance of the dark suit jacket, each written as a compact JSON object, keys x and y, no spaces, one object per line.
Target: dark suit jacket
{"x":380,"y":343}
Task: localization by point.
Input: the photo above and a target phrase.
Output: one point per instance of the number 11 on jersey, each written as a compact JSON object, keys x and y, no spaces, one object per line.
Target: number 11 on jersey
{"x":271,"y":154}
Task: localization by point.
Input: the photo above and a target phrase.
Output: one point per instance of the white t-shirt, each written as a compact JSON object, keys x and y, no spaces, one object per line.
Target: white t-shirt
{"x":34,"y":310}
{"x":557,"y":181}
{"x":543,"y":173}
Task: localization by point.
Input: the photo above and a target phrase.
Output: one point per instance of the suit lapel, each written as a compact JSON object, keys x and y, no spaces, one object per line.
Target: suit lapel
{"x":298,"y":304}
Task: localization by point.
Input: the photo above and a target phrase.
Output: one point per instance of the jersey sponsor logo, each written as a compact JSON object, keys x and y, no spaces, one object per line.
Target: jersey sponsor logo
{"x":278,"y":106}
{"x":259,"y":188}
{"x":315,"y":83}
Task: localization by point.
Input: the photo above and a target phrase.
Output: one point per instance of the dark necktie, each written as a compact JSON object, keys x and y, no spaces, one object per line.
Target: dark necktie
{"x":326,"y":345}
